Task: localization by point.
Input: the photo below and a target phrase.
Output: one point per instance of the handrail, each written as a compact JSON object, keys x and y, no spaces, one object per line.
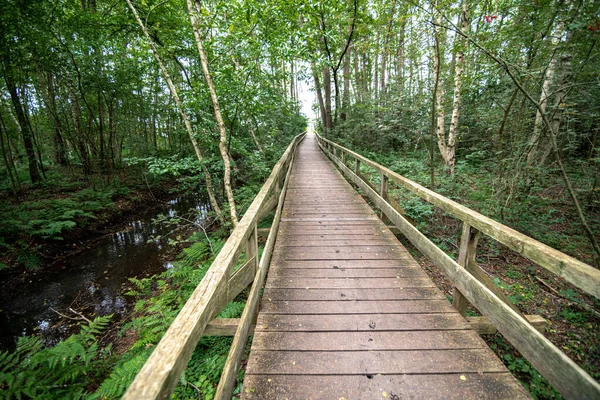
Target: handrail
{"x":584,"y":276}
{"x":161,"y":372}
{"x":566,"y":376}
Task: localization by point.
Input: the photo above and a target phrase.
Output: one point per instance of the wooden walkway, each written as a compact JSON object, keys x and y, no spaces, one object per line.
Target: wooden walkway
{"x":347,"y":313}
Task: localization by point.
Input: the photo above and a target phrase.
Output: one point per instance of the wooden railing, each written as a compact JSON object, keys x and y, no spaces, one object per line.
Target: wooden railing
{"x":220,"y":285}
{"x":471,"y":282}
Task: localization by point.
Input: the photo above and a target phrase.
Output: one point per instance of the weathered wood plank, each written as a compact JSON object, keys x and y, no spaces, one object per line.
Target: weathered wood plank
{"x":342,"y":283}
{"x":278,"y":262}
{"x":363,"y":341}
{"x":427,"y":293}
{"x":401,"y":272}
{"x":356,"y":307}
{"x":335,"y":387}
{"x":360,"y":322}
{"x":373,"y":362}
{"x":224,"y":327}
{"x":483,"y":326}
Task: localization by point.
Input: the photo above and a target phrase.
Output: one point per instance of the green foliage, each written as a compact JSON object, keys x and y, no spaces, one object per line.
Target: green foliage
{"x":62,"y":371}
{"x":534,"y":382}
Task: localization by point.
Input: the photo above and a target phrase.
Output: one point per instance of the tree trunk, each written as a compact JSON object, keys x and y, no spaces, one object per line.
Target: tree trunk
{"x":217,"y":110}
{"x":319,"y":97}
{"x":358,"y":88}
{"x":439,"y":92}
{"x":534,"y":143}
{"x":26,"y":133}
{"x":327,"y":88}
{"x":80,"y":141}
{"x":8,"y":162}
{"x":559,"y":106}
{"x":458,"y":72}
{"x":253,"y":134}
{"x":346,"y":95}
{"x":186,"y":120}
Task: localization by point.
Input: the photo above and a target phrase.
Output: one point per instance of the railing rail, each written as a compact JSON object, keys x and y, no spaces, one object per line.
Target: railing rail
{"x":566,"y":376}
{"x":161,"y":372}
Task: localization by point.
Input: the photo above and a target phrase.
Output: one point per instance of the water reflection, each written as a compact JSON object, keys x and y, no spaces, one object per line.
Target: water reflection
{"x":91,"y":280}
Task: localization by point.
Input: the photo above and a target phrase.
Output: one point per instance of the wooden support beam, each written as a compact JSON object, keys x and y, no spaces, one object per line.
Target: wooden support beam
{"x":224,"y":327}
{"x":263,"y":232}
{"x":466,"y":258}
{"x":483,"y":326}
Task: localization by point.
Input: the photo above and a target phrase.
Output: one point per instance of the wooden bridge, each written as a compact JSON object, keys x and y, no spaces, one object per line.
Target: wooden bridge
{"x":346,"y":312}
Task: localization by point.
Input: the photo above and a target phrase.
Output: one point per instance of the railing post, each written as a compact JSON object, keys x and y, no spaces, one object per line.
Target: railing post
{"x":383,"y":192}
{"x":357,"y":167}
{"x":343,"y":157}
{"x":252,"y":247}
{"x":466,"y":255}
{"x":466,"y":258}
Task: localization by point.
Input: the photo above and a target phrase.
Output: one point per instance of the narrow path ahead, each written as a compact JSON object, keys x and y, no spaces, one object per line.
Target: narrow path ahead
{"x":347,"y":313}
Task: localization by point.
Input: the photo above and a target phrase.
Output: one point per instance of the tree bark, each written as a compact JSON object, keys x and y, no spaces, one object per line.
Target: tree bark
{"x":26,"y":133}
{"x":186,"y":120}
{"x":319,"y":96}
{"x":346,"y":95}
{"x":327,"y":89}
{"x":217,"y":109}
{"x":534,"y":143}
{"x":458,"y":72}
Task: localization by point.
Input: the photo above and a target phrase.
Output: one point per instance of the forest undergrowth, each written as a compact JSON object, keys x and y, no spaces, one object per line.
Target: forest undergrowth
{"x":543,"y":212}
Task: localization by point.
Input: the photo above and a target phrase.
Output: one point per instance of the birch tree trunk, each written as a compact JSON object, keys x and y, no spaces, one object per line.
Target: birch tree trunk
{"x":319,"y":96}
{"x":439,"y":91}
{"x":327,"y":89}
{"x":217,"y":109}
{"x":346,"y":95}
{"x":538,"y":126}
{"x":545,"y":148}
{"x":186,"y":120}
{"x":458,"y":74}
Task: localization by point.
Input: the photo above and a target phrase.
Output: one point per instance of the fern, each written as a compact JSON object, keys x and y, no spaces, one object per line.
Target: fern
{"x":62,"y":371}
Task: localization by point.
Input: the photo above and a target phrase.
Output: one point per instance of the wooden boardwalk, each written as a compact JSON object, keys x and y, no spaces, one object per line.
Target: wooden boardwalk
{"x":347,"y":313}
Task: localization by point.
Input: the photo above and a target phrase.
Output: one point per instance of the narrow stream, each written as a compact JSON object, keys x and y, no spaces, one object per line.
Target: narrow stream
{"x":92,"y":280}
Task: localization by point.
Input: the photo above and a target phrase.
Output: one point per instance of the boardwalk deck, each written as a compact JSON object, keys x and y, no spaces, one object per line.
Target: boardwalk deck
{"x":347,"y":313}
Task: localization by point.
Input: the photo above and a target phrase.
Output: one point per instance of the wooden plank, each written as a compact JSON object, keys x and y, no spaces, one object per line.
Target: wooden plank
{"x":224,"y":327}
{"x":162,"y":370}
{"x":373,"y":362}
{"x":483,"y":326}
{"x":356,"y":307}
{"x":574,"y":271}
{"x":342,"y":283}
{"x":367,"y":341}
{"x":361,"y":322}
{"x":402,"y":272}
{"x":566,"y":376}
{"x":429,"y":386}
{"x":309,"y":255}
{"x":316,"y":241}
{"x":466,"y":258}
{"x":353,"y":294}
{"x":278,"y":262}
{"x":241,"y":279}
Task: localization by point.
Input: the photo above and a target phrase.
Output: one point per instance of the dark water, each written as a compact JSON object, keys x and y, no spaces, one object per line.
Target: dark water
{"x":91,"y":281}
